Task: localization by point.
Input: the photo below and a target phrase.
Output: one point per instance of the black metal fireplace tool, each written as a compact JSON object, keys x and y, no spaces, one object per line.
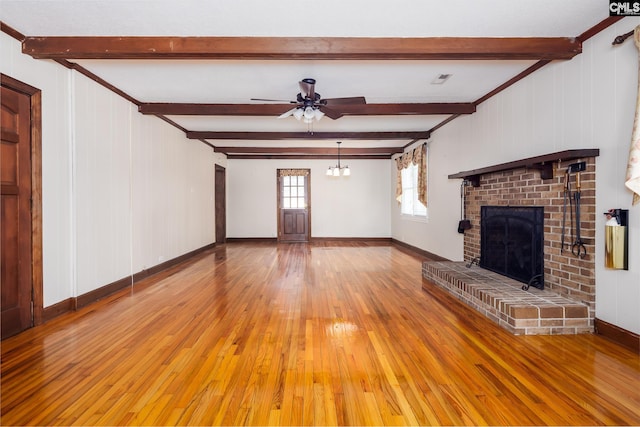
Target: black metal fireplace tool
{"x":571,"y":204}
{"x":464,"y":223}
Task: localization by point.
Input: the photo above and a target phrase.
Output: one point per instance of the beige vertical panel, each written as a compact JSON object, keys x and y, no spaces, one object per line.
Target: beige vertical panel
{"x":103,"y":232}
{"x":173,"y":187}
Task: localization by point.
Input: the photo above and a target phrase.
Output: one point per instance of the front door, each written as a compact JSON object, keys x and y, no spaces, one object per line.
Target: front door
{"x":293,"y":205}
{"x":15,"y":230}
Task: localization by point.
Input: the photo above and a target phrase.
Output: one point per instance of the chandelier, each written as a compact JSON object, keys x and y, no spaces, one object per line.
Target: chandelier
{"x":338,"y":170}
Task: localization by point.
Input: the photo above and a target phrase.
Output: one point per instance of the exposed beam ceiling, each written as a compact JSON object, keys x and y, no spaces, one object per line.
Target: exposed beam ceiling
{"x":205,"y":69}
{"x":316,"y":48}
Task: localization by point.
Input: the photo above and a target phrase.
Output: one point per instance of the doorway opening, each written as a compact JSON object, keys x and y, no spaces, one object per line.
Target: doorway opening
{"x":220,"y":205}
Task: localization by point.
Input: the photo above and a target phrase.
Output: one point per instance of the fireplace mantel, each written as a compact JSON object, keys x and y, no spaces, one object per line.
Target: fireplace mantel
{"x":542,"y":163}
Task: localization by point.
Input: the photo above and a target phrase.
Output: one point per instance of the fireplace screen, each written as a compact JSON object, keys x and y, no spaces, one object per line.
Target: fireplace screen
{"x":511,"y":242}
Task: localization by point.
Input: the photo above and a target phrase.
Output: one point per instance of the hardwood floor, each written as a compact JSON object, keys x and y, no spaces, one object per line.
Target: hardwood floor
{"x":305,"y":334}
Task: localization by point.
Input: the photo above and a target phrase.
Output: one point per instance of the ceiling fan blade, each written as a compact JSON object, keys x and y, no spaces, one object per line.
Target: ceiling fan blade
{"x":329,"y":112}
{"x":274,"y":100}
{"x":344,"y":101}
{"x":307,"y":88}
{"x":288,"y":113}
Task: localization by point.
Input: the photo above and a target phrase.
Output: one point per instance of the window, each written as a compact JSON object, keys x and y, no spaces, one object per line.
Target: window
{"x":409,"y":204}
{"x":293,"y":192}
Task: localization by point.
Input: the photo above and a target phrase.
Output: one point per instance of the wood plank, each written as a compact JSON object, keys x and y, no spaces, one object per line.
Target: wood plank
{"x":272,"y":136}
{"x":329,"y":332}
{"x":308,"y":156}
{"x":331,"y":152}
{"x":191,"y":109}
{"x":317,"y":48}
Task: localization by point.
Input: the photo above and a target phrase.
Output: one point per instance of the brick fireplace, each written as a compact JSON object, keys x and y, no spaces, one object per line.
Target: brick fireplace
{"x":567,"y":304}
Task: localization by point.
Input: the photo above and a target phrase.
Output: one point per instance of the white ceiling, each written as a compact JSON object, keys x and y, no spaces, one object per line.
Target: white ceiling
{"x":339,"y":18}
{"x":237,"y":81}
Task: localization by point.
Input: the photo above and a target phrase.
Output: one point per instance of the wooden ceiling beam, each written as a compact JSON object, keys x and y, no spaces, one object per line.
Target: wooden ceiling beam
{"x":188,"y":109}
{"x":287,"y":48}
{"x":429,"y":108}
{"x":307,"y":156}
{"x":274,"y":136}
{"x":327,"y":151}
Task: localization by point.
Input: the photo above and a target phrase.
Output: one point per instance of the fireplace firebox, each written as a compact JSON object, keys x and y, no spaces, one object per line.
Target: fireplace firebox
{"x":511,"y":242}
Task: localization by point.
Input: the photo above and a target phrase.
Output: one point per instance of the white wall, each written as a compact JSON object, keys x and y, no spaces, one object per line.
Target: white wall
{"x":443,"y":210}
{"x":121,"y":191}
{"x":354,"y":206}
{"x":587,"y":102}
{"x":172,"y":193}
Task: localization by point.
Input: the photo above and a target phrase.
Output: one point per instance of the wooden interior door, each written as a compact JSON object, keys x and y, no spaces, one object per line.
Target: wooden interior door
{"x":294,"y":210}
{"x":221,"y":204}
{"x":15,"y":233}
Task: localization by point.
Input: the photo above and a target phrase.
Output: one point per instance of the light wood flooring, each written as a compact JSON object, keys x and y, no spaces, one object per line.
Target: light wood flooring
{"x":305,"y":334}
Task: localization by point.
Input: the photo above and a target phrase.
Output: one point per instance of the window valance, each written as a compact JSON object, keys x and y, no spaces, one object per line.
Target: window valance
{"x":418,"y":157}
{"x":293,"y":172}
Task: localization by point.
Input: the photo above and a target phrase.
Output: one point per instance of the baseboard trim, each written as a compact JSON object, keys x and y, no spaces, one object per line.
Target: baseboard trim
{"x":313,"y":239}
{"x":76,"y":303}
{"x":55,"y":310}
{"x":102,"y":292}
{"x":251,"y":239}
{"x":615,"y":333}
{"x":419,"y":251}
{"x":170,"y":263}
{"x":352,"y":239}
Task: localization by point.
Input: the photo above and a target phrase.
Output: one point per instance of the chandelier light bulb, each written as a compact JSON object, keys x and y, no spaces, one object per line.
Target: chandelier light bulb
{"x":309,"y":113}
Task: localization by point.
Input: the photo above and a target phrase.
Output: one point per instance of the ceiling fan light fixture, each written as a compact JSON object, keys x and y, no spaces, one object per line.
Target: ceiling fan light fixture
{"x":298,"y":113}
{"x":309,"y":104}
{"x":346,"y":171}
{"x":309,"y":113}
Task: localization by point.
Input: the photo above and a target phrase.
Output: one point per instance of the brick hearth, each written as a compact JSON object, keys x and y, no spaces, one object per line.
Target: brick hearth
{"x":532,"y":312}
{"x":567,"y":303}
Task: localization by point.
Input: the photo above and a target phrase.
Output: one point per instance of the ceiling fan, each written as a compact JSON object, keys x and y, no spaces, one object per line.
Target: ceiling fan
{"x":310,"y":105}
